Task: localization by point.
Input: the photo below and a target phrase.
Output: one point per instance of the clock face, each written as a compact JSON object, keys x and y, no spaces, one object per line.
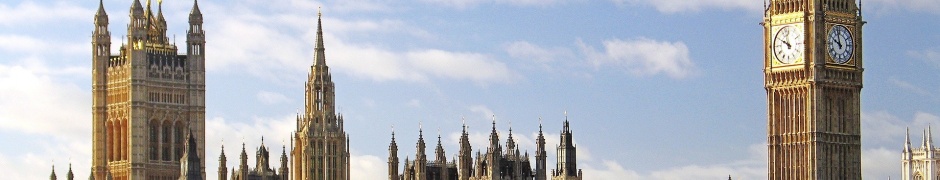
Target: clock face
{"x":841,"y":45}
{"x":788,"y":44}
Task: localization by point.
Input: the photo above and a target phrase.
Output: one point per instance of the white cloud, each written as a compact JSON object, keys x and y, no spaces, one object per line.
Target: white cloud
{"x":881,"y":163}
{"x":678,"y":6}
{"x":414,"y":103}
{"x":471,"y":3}
{"x":295,"y":44}
{"x":41,"y":103}
{"x":269,"y":98}
{"x":462,"y":66}
{"x":532,"y":52}
{"x":931,"y":56}
{"x":29,"y":12}
{"x":485,"y":112}
{"x":643,"y":57}
{"x":931,"y":6}
{"x":882,"y":127}
{"x":20,"y":44}
{"x":909,"y":87}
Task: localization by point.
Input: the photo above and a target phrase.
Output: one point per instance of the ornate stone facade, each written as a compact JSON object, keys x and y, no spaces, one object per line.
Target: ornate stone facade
{"x":320,"y":147}
{"x":920,"y":163}
{"x":813,"y":77}
{"x":494,"y":164}
{"x":146,"y":97}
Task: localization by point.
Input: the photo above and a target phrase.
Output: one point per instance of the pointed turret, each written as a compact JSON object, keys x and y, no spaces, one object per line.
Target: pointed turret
{"x":190,"y":163}
{"x":440,"y":156}
{"x":101,"y":17}
{"x":223,"y":163}
{"x":929,"y":138}
{"x":440,"y":159}
{"x":907,"y":141}
{"x":511,"y":143}
{"x":421,"y":159}
{"x":195,"y":13}
{"x":137,"y":9}
{"x":52,"y":176}
{"x":283,"y":171}
{"x":319,"y":55}
{"x":540,"y":155}
{"x":567,"y":154}
{"x":393,"y":158}
{"x":70,"y":175}
{"x":465,"y":161}
{"x":160,"y":22}
{"x":494,"y":136}
{"x":243,"y":164}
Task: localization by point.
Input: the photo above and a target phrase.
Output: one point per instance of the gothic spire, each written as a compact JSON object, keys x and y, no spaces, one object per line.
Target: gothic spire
{"x":222,"y":154}
{"x":195,"y":11}
{"x":907,"y":140}
{"x":101,"y":17}
{"x":190,"y":163}
{"x":160,"y":18}
{"x":929,"y":138}
{"x":52,"y":177}
{"x":148,"y":12}
{"x":439,"y":151}
{"x":136,"y":8}
{"x":320,"y":51}
{"x":70,"y":176}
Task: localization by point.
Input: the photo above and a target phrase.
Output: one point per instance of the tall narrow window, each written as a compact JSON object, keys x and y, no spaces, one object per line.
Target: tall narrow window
{"x":166,"y":141}
{"x":153,"y":139}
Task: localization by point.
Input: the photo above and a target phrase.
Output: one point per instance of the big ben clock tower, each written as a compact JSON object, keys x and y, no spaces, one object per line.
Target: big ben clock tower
{"x":813,"y":77}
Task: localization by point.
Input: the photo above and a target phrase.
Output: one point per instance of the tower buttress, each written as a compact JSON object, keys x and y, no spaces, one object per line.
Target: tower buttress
{"x":284,"y":171}
{"x":223,"y":171}
{"x":243,"y":164}
{"x":101,"y":55}
{"x":465,"y":160}
{"x":440,"y":158}
{"x":421,"y":159}
{"x":567,"y":167}
{"x":393,"y":158}
{"x":540,"y":155}
{"x":70,"y":175}
{"x":52,"y":176}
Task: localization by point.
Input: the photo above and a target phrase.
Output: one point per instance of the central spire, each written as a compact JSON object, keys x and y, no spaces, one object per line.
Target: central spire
{"x":319,"y":57}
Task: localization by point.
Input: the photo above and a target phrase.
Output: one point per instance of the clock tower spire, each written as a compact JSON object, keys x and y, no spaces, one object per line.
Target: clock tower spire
{"x":813,"y":77}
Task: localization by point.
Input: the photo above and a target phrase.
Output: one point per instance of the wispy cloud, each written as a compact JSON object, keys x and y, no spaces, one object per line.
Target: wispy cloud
{"x":643,"y":57}
{"x":269,"y":98}
{"x":680,"y":6}
{"x":909,"y":87}
{"x":461,"y":4}
{"x":930,"y":6}
{"x":931,"y":56}
{"x":30,"y":12}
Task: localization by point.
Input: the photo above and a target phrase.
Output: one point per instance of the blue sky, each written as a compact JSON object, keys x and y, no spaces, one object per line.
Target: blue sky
{"x":655,"y":89}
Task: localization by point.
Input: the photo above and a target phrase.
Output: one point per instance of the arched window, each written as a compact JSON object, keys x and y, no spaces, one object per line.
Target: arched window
{"x":166,"y":140}
{"x":154,"y":136}
{"x":109,"y":139}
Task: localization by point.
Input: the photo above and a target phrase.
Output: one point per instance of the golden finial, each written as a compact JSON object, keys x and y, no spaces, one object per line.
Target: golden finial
{"x":319,"y":12}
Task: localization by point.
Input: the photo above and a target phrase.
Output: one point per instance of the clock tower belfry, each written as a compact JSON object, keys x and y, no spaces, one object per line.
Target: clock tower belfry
{"x":813,"y":77}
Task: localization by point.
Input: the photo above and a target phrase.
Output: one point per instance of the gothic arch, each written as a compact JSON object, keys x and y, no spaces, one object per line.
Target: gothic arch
{"x":167,"y":136}
{"x":109,"y":139}
{"x":154,"y":139}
